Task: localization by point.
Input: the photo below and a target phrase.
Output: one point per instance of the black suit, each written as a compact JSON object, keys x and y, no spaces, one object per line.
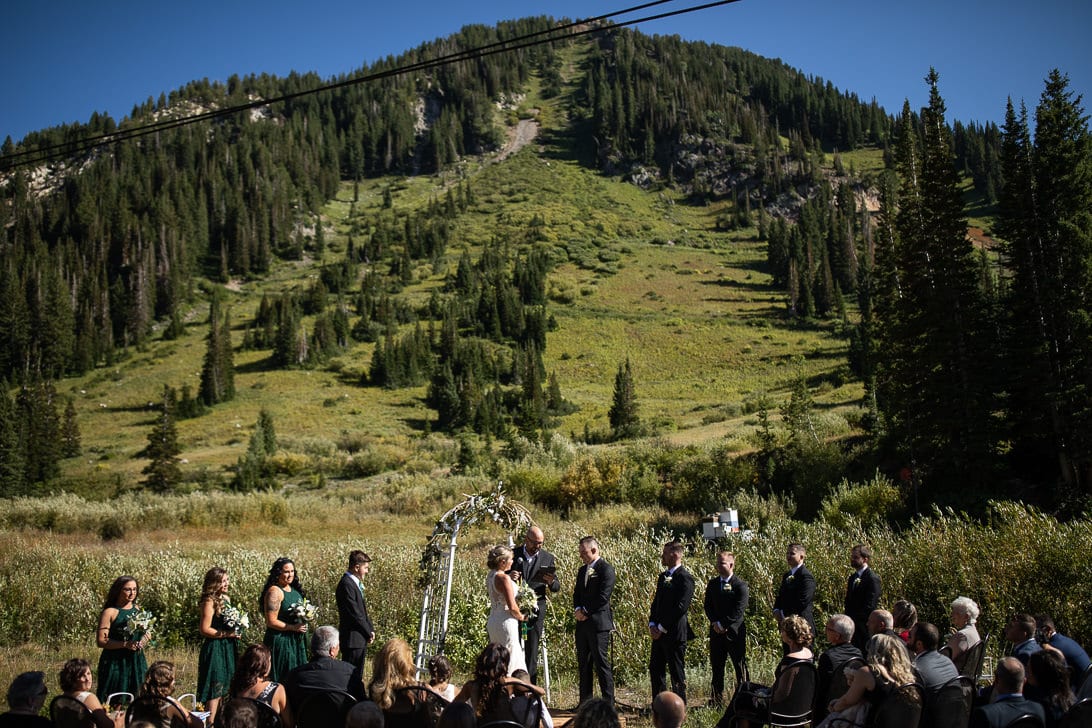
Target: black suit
{"x":322,"y":674}
{"x":862,"y":597}
{"x":669,"y":609}
{"x":530,"y":569}
{"x":796,"y":594}
{"x":593,"y":634}
{"x":726,"y":603}
{"x":831,"y":662}
{"x":1003,"y":712}
{"x":355,"y":629}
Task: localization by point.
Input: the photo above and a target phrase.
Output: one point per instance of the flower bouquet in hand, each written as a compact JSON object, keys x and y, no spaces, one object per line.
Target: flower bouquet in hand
{"x":527,"y":601}
{"x":139,"y":627}
{"x":303,"y":612}
{"x":235,"y":619}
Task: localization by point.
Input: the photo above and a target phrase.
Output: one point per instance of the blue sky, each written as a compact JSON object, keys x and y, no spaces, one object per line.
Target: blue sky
{"x":66,"y":59}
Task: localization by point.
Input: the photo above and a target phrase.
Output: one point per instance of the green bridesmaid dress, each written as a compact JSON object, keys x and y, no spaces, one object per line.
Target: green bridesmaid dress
{"x":289,"y":648}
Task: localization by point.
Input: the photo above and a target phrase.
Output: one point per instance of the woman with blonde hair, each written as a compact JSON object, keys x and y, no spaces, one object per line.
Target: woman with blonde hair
{"x":504,"y":613}
{"x":886,"y":668}
{"x":216,"y":662}
{"x":392,"y":668}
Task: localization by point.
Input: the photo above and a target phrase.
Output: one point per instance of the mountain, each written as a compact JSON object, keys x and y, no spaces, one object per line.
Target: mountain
{"x":474,"y":246}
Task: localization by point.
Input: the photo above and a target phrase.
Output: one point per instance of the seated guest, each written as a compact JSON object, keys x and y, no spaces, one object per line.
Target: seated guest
{"x":392,"y":669}
{"x":520,"y":700}
{"x":439,"y":677}
{"x":251,"y":680}
{"x":1008,"y":701}
{"x":839,"y":629}
{"x":881,"y":621}
{"x":1020,"y":631}
{"x":488,"y":690}
{"x":1049,"y":675}
{"x":934,"y":668}
{"x":596,"y":713}
{"x":26,"y":696}
{"x":365,"y":714}
{"x":905,"y":616}
{"x":75,"y":681}
{"x":323,"y":672}
{"x":238,"y":714}
{"x":458,"y":715}
{"x":887,"y":667}
{"x":159,"y":683}
{"x":965,"y":634}
{"x":797,"y":638}
{"x":1075,"y":656}
{"x":668,"y":710}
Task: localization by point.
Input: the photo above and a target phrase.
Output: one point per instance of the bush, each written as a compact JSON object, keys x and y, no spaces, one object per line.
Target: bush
{"x":869,"y":504}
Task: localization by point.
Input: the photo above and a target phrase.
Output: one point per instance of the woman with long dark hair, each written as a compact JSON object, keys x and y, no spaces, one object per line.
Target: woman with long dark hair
{"x":285,"y":632}
{"x":122,"y":664}
{"x":216,"y":663}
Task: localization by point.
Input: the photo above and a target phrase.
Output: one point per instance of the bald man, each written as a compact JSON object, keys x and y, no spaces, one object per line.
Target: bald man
{"x":668,"y":710}
{"x":534,"y":566}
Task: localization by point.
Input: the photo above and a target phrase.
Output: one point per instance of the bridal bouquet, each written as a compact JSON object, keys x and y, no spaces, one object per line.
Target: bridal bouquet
{"x":303,"y":611}
{"x":235,"y":619}
{"x":140,"y":625}
{"x":526,"y":600}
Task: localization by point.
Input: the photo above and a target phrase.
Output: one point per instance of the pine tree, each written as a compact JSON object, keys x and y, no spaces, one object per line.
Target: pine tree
{"x":934,"y":366}
{"x":70,"y":431}
{"x":164,"y":471}
{"x":623,"y":417}
{"x":254,"y":471}
{"x":12,"y":466}
{"x":1046,"y":211}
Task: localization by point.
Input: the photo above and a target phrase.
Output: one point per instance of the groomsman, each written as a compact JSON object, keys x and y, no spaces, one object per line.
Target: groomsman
{"x":354,"y":627}
{"x":594,"y":621}
{"x":862,"y":593}
{"x":668,"y":624}
{"x":797,"y":590}
{"x":535,"y":566}
{"x":726,"y":598}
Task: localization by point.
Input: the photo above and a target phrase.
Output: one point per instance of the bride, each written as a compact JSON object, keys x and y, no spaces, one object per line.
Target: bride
{"x":504,"y":614}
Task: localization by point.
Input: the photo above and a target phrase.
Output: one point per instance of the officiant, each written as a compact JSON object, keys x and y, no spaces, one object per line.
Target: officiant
{"x":535,"y":567}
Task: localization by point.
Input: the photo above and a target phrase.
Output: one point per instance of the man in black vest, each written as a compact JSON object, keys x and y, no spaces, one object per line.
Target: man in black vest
{"x":725,"y":603}
{"x":535,"y":566}
{"x":668,"y":624}
{"x":354,"y":626}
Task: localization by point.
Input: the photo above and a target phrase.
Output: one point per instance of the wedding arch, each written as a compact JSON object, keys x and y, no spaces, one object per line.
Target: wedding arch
{"x":438,"y":560}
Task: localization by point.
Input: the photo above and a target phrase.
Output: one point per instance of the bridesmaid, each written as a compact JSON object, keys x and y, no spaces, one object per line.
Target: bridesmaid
{"x":284,"y":635}
{"x":216,"y":663}
{"x":122,"y":664}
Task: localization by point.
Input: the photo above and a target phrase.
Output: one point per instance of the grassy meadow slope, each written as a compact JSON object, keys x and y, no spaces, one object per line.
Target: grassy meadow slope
{"x":643,"y":275}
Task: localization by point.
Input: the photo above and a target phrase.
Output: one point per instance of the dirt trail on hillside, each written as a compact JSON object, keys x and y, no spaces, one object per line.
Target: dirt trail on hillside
{"x":524,"y":133}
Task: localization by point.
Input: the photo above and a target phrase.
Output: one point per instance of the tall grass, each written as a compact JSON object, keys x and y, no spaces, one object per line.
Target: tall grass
{"x":1017,"y":560}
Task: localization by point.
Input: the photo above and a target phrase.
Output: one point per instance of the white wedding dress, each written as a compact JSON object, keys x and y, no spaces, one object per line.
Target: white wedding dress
{"x":503,"y":627}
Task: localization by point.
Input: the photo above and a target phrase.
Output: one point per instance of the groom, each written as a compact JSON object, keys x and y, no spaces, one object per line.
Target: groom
{"x":594,"y":622}
{"x":535,"y":566}
{"x":354,"y":627}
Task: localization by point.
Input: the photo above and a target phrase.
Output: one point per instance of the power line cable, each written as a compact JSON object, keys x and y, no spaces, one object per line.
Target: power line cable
{"x":542,"y":37}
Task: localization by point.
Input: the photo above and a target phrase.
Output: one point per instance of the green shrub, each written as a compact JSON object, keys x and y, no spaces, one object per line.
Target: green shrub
{"x":870,"y":504}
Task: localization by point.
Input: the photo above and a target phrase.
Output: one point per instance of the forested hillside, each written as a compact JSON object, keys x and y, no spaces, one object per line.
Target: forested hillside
{"x":455,"y":288}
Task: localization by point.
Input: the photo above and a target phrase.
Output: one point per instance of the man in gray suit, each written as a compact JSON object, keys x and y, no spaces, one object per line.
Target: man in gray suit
{"x":934,"y":668}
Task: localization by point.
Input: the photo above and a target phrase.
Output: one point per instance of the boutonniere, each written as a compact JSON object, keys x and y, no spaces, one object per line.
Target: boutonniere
{"x":667,"y":579}
{"x":591,"y":573}
{"x":789,"y":578}
{"x":725,"y":586}
{"x":857,"y":581}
